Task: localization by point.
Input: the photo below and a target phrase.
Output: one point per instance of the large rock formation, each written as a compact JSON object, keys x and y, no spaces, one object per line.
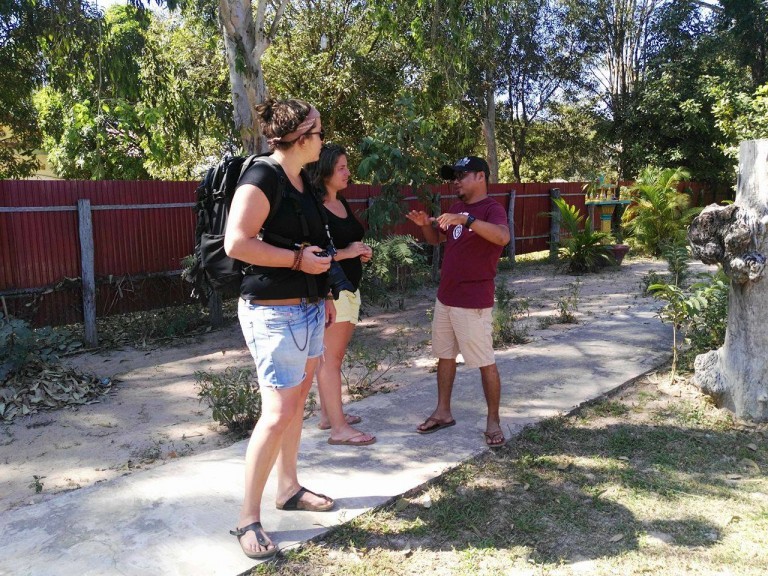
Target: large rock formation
{"x":736,"y":236}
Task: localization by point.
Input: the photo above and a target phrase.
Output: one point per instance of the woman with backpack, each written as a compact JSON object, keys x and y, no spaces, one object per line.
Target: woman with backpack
{"x":283,"y":309}
{"x":330,"y":175}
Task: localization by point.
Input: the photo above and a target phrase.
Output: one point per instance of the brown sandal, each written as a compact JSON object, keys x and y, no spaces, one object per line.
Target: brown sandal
{"x":495,"y":439}
{"x":295,"y":503}
{"x":260,"y":538}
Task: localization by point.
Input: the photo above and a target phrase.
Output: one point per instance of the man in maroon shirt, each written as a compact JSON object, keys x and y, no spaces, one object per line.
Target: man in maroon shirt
{"x":475,"y":231}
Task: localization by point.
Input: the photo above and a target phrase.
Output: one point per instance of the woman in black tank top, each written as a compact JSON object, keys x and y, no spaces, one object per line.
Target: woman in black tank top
{"x":283,"y":314}
{"x":330,"y":174}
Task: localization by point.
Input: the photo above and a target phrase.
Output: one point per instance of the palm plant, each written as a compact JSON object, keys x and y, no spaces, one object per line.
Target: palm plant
{"x":584,"y":249}
{"x":659,"y":216}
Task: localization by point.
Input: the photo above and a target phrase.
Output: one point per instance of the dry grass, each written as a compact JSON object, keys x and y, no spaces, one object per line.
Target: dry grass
{"x":653,"y":480}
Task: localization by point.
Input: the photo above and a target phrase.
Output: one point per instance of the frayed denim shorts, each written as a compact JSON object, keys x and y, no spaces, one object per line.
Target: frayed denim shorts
{"x":281,"y":340}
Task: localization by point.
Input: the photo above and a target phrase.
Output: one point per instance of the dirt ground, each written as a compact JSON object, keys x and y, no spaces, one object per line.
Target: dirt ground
{"x":153,"y":414}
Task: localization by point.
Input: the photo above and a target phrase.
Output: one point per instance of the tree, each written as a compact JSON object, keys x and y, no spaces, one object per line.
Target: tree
{"x":736,"y":374}
{"x":542,"y":55}
{"x":247,"y":32}
{"x":60,"y":29}
{"x":90,"y":119}
{"x":151,"y":101}
{"x":453,"y":66}
{"x":565,"y":145}
{"x":746,"y":23}
{"x":618,"y":32}
{"x":672,"y":122}
{"x":332,"y":54}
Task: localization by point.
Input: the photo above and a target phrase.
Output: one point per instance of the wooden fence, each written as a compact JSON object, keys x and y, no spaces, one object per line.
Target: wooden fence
{"x":74,"y":250}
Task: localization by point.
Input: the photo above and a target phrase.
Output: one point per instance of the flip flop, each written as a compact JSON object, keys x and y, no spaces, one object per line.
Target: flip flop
{"x":260,"y":538}
{"x":350,"y":418}
{"x":295,"y":503}
{"x":349,"y":441}
{"x":435,"y":426}
{"x":492,"y":439}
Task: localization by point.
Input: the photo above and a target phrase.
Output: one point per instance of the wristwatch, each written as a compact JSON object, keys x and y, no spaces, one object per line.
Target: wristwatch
{"x":470,"y":220}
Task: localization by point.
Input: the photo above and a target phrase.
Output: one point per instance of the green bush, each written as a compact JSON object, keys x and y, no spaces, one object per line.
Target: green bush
{"x":698,"y":314}
{"x":232,"y":396}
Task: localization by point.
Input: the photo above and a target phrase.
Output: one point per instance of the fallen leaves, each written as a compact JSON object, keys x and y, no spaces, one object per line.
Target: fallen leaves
{"x":42,"y":386}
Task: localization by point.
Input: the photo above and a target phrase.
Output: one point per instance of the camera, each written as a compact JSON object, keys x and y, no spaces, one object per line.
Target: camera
{"x":336,"y":276}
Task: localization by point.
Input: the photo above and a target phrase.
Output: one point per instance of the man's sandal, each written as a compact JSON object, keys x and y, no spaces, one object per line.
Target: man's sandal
{"x":495,"y":439}
{"x":261,"y":538}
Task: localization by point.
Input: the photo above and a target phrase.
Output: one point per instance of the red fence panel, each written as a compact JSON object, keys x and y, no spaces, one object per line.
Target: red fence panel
{"x":142,"y":230}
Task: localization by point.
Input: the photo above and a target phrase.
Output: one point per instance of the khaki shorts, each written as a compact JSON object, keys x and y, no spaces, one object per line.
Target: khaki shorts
{"x":348,"y":306}
{"x":465,"y":330}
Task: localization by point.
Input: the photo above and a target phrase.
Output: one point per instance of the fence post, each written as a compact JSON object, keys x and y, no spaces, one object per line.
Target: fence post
{"x":85,"y":231}
{"x":436,"y":210}
{"x":554,"y":226}
{"x":511,"y":224}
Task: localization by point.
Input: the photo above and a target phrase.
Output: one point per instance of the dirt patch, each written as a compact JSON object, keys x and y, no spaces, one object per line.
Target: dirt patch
{"x":153,"y":414}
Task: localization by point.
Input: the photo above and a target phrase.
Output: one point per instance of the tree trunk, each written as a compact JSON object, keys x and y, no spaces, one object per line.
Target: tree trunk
{"x":246,"y":38}
{"x":736,"y":236}
{"x":489,"y":133}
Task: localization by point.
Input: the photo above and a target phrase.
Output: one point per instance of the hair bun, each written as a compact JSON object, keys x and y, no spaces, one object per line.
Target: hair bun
{"x":266,"y":110}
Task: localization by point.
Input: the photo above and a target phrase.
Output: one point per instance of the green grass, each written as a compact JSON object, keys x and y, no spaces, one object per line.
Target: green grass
{"x":644,"y":483}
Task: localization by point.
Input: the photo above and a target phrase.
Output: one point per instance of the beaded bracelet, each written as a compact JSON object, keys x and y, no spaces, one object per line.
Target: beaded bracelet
{"x":296,"y":259}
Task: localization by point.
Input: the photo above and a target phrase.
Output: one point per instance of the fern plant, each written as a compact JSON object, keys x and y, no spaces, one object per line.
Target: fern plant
{"x":584,"y":250}
{"x":659,"y":215}
{"x":399,"y":264}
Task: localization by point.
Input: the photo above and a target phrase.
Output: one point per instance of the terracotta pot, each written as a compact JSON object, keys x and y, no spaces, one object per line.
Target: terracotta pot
{"x":619,"y":251}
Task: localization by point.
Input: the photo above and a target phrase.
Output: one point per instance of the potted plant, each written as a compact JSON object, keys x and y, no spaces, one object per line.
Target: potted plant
{"x":582,"y":248}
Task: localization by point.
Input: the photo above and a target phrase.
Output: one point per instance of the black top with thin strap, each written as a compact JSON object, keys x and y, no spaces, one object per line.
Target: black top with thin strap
{"x":277,"y":283}
{"x":344,"y":231}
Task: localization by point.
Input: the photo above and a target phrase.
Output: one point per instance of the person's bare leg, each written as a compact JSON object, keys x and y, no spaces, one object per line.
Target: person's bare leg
{"x":287,"y":459}
{"x":492,"y":389}
{"x":277,"y":410}
{"x":337,"y":337}
{"x":446,"y":374}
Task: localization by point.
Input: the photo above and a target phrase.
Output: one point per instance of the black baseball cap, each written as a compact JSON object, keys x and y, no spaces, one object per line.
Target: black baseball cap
{"x":466,"y":164}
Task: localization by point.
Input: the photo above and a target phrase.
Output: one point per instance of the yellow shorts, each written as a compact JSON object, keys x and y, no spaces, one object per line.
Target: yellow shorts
{"x":465,"y":330}
{"x":348,"y":306}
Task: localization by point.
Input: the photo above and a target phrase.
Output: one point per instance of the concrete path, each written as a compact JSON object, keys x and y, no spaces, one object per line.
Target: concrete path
{"x":174,"y":519}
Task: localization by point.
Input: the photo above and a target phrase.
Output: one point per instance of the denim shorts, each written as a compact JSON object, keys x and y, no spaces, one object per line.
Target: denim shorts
{"x":281,"y":340}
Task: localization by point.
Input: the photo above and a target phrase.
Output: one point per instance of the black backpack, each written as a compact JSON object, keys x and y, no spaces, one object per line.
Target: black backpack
{"x":211,"y":268}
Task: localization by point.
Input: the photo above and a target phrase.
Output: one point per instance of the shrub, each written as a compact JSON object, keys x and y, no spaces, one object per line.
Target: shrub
{"x":364,"y":366}
{"x":506,"y":313}
{"x":232,"y":396}
{"x":659,"y":215}
{"x":699,"y":314}
{"x":584,"y":249}
{"x":707,"y":328}
{"x":20,"y":345}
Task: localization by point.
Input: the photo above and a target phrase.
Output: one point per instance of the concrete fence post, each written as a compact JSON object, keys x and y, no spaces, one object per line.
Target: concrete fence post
{"x":554,"y":226}
{"x":85,"y":233}
{"x":511,"y":224}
